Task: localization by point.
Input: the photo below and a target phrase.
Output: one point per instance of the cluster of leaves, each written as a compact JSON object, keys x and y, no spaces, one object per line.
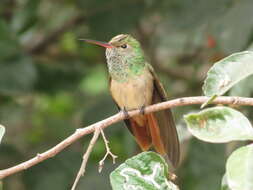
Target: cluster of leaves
{"x":222,"y":124}
{"x":218,"y":124}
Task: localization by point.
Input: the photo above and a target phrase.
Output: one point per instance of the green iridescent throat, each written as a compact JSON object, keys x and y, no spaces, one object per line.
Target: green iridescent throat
{"x":122,"y":69}
{"x":123,"y":66}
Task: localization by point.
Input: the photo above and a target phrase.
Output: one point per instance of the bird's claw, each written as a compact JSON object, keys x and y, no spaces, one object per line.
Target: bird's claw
{"x":125,"y":112}
{"x":142,"y":110}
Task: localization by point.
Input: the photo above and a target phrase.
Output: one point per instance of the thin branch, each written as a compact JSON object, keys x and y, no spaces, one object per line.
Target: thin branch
{"x":86,"y":156}
{"x":108,"y":152}
{"x":116,"y":118}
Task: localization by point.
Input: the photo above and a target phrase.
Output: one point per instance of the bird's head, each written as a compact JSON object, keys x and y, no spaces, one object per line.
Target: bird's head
{"x":122,"y":47}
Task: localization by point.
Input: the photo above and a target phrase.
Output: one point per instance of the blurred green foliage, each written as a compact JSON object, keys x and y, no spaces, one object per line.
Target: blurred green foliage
{"x":51,"y":83}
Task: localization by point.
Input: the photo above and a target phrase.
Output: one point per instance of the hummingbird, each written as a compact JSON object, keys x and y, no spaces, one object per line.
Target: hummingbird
{"x":133,"y":84}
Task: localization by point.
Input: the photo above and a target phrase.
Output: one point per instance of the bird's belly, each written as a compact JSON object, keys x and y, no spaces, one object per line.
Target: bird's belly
{"x":134,"y":93}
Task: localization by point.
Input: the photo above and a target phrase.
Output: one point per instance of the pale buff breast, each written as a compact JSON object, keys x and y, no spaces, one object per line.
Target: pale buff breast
{"x":134,"y":93}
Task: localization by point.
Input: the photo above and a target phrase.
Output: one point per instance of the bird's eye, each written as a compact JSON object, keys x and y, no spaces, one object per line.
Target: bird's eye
{"x":123,"y":46}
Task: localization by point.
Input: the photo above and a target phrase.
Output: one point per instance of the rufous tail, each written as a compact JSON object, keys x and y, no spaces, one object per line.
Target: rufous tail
{"x":155,"y":134}
{"x":141,"y":134}
{"x":148,"y":134}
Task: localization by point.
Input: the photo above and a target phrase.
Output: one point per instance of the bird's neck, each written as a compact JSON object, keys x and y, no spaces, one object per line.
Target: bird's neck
{"x":122,"y":70}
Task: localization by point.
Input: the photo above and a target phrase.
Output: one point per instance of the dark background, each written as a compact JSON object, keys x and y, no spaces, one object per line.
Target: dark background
{"x":52,"y":84}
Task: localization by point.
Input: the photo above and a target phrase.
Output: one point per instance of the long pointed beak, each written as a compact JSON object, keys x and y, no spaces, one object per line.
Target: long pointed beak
{"x":103,"y":44}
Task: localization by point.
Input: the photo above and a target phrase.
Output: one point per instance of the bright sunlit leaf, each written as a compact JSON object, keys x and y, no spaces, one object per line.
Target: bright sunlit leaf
{"x":146,"y":171}
{"x":239,"y":169}
{"x":2,"y":131}
{"x":227,"y":72}
{"x":219,"y":125}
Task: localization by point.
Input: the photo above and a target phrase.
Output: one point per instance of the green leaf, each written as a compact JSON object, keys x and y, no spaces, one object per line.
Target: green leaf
{"x":243,"y":88}
{"x":2,"y":131}
{"x":227,"y":72}
{"x":219,"y":125}
{"x":239,"y":169}
{"x":146,"y":171}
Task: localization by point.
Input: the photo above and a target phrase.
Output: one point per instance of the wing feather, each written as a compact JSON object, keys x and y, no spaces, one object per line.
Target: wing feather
{"x":166,"y":122}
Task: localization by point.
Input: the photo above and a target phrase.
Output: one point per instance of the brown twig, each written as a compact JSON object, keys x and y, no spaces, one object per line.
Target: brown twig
{"x":86,"y":157}
{"x":108,"y":152}
{"x":116,"y":118}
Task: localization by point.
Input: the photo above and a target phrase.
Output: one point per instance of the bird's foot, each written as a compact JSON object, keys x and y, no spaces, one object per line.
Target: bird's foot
{"x":142,"y":110}
{"x":125,"y":112}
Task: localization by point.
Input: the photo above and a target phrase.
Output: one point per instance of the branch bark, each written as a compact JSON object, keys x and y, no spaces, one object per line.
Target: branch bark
{"x":86,"y":157}
{"x":116,"y":118}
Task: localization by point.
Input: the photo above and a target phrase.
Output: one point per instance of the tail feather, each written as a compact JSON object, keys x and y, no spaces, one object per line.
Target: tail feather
{"x":155,"y":134}
{"x":157,"y":130}
{"x":141,"y":134}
